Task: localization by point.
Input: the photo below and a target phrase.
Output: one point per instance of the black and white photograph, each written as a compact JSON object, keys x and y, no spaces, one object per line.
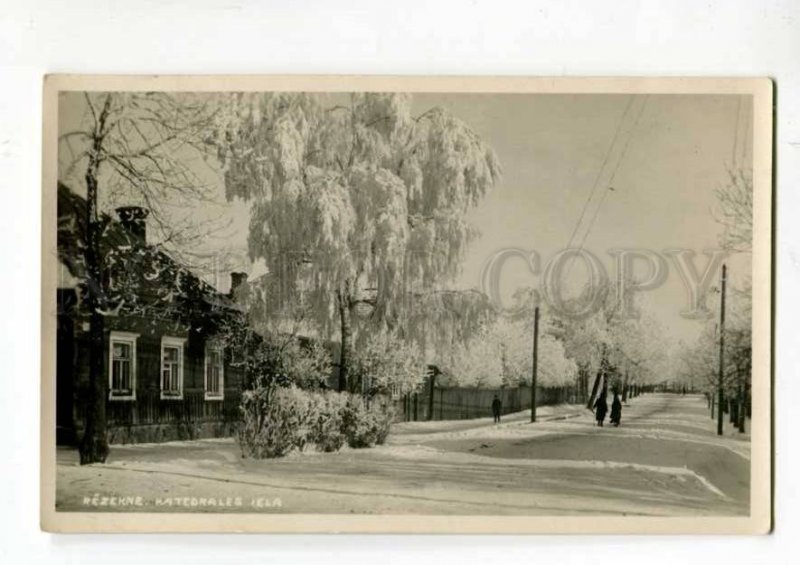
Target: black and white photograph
{"x":399,"y":305}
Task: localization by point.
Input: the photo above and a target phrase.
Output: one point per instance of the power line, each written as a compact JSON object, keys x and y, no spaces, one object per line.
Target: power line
{"x":600,"y":170}
{"x":630,"y":137}
{"x":746,"y":141}
{"x":736,"y":133}
{"x":611,"y":179}
{"x":641,"y":111}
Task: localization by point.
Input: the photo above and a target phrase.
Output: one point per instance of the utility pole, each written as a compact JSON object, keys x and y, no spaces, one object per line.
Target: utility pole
{"x":742,"y":403}
{"x":535,"y":361}
{"x":432,"y":372}
{"x":720,"y":398}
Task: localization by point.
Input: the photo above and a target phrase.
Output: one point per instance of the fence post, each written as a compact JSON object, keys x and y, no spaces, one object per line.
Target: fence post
{"x":432,"y":390}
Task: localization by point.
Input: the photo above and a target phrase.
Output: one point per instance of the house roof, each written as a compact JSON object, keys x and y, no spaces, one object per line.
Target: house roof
{"x":71,"y":240}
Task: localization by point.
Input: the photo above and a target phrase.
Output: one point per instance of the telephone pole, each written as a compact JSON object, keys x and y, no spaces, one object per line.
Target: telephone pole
{"x":535,"y":362}
{"x":720,"y":392}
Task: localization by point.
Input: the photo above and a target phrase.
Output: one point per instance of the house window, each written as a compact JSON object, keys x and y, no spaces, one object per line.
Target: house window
{"x":172,"y":367}
{"x":122,"y":366}
{"x":366,"y":384}
{"x":215,"y":372}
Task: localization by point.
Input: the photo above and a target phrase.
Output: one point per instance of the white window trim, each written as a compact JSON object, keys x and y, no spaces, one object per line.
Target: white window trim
{"x":206,"y":393}
{"x":169,"y":341}
{"x":123,"y":337}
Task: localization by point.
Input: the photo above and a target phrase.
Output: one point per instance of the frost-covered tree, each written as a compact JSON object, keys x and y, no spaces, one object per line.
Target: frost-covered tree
{"x":735,"y":199}
{"x":502,"y":355}
{"x":638,"y":350}
{"x":441,"y":320}
{"x":554,"y":368}
{"x":610,"y":345}
{"x":585,"y":342}
{"x":387,"y":364}
{"x":476,"y":363}
{"x":699,"y":361}
{"x":360,"y":206}
{"x":584,"y":339}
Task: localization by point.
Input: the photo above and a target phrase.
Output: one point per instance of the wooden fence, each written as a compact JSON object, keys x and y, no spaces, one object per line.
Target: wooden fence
{"x":150,"y":409}
{"x":465,"y":403}
{"x":151,"y":418}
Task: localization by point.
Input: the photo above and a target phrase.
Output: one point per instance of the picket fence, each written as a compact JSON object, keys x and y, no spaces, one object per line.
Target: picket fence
{"x":461,"y":403}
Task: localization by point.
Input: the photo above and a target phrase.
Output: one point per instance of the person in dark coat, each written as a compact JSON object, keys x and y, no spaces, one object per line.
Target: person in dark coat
{"x":497,"y":405}
{"x":600,"y":409}
{"x":616,"y":410}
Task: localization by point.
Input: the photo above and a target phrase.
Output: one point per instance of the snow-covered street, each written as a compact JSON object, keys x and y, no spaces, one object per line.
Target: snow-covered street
{"x":664,"y":460}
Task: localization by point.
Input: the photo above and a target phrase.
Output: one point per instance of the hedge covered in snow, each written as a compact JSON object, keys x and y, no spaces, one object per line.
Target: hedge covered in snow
{"x":278,"y":420}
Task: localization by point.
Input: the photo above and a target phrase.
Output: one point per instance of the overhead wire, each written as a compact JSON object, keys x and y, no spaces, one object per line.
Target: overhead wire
{"x":600,"y":170}
{"x":736,"y":133}
{"x":614,"y":174}
{"x":610,"y":181}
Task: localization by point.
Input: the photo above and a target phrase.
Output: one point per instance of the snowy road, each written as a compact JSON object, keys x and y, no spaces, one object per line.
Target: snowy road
{"x":663,"y":460}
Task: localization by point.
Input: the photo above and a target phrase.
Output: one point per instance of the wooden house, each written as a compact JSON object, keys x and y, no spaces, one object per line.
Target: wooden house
{"x":170,"y":372}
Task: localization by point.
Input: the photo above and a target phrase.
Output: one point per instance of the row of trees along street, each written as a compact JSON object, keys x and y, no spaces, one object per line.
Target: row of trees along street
{"x":359,"y":209}
{"x":719,"y":362}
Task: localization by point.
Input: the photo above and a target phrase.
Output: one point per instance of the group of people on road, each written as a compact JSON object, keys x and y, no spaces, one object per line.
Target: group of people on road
{"x":600,"y":409}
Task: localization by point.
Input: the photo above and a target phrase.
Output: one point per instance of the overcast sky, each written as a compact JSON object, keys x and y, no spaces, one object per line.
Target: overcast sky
{"x":671,"y":153}
{"x":552,"y":148}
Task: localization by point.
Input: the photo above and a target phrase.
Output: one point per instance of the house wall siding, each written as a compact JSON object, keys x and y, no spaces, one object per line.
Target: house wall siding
{"x":148,"y":417}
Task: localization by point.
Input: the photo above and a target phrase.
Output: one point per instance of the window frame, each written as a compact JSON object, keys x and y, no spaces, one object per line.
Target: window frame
{"x":130,"y":339}
{"x":173,"y":342}
{"x":366,"y":383}
{"x":214,"y":346}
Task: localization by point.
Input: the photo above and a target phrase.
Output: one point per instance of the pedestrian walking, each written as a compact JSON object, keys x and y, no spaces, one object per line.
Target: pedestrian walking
{"x":600,"y":409}
{"x":616,"y":410}
{"x":497,"y":406}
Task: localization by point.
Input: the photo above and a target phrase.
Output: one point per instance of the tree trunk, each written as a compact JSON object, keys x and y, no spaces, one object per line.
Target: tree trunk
{"x":94,"y":444}
{"x":586,"y":376}
{"x":345,"y":352}
{"x":625,"y":388}
{"x":595,"y":387}
{"x":742,"y":407}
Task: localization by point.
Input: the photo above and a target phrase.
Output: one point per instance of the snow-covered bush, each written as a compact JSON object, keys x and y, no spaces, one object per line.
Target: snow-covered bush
{"x":278,"y":420}
{"x":325,"y":429}
{"x":274,"y":421}
{"x":365,"y":425}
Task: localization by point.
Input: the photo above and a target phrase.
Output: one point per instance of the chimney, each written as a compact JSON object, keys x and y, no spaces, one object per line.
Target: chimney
{"x":237,"y":280}
{"x":133,"y":219}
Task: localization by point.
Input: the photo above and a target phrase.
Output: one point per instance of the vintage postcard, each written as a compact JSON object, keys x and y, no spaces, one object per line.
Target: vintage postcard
{"x":385,"y":304}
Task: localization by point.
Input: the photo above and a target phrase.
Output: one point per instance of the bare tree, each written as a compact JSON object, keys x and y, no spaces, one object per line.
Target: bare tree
{"x":147,"y":146}
{"x":736,"y":215}
{"x":736,"y":211}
